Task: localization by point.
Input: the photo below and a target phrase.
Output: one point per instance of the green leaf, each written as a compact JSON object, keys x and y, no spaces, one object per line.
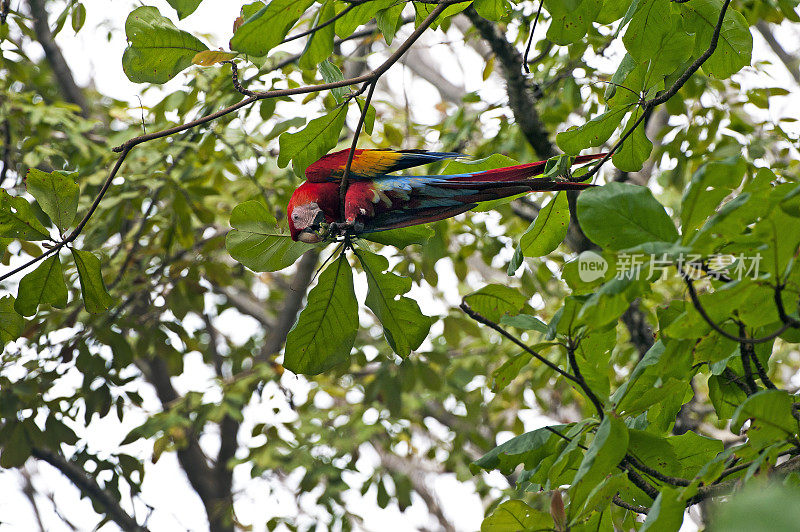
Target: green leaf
{"x":264,"y":30}
{"x":17,"y":448}
{"x":735,"y":44}
{"x":494,"y":300}
{"x":667,"y":512}
{"x":526,"y":322}
{"x":95,"y":296}
{"x":78,"y":18}
{"x":647,"y":29}
{"x":57,"y":194}
{"x":630,"y":157}
{"x":17,"y":219}
{"x":184,"y":7}
{"x":208,"y":58}
{"x":45,"y":284}
{"x":760,"y":506}
{"x":312,"y":142}
{"x":515,"y":515}
{"x":604,"y":453}
{"x":491,"y":9}
{"x":591,"y":134}
{"x":326,"y":329}
{"x":528,"y":449}
{"x":710,"y":184}
{"x":320,"y":43}
{"x":11,"y":323}
{"x":548,"y":230}
{"x":256,"y":242}
{"x":620,"y":215}
{"x":330,"y":74}
{"x":502,"y":376}
{"x":157,"y":51}
{"x":404,"y":325}
{"x":403,"y":237}
{"x":360,"y":15}
{"x":771,"y":414}
{"x":389,"y":20}
{"x":571,"y":19}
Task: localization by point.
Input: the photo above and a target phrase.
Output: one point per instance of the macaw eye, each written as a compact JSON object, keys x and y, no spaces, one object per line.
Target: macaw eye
{"x":295,"y":217}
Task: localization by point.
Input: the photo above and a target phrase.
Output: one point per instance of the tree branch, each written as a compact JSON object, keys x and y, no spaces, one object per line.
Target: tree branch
{"x":791,"y":63}
{"x":657,"y":100}
{"x":89,"y":487}
{"x":520,"y":97}
{"x":72,"y":93}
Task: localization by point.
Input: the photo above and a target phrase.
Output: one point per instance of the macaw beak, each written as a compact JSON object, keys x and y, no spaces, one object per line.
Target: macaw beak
{"x":310,"y":234}
{"x":309,"y":237}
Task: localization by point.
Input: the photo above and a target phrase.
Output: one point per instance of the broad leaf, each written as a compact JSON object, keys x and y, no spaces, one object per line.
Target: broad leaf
{"x":571,"y":20}
{"x":548,"y":230}
{"x":667,"y":511}
{"x":157,"y":51}
{"x":403,"y":237}
{"x":515,"y":515}
{"x":647,"y":29}
{"x":320,"y":43}
{"x":331,"y":73}
{"x":528,"y":449}
{"x":389,"y":20}
{"x":312,"y":142}
{"x":591,"y":134}
{"x":326,"y":329}
{"x":11,"y":323}
{"x":45,"y":284}
{"x":620,"y":215}
{"x":57,"y":195}
{"x":212,"y":57}
{"x":184,"y":7}
{"x":630,"y":157}
{"x":404,"y":325}
{"x":491,"y":9}
{"x":264,"y":30}
{"x":17,"y":219}
{"x":359,"y":15}
{"x":495,"y":300}
{"x":256,"y":242}
{"x":95,"y":296}
{"x":601,"y":459}
{"x":771,"y":412}
{"x":735,"y":44}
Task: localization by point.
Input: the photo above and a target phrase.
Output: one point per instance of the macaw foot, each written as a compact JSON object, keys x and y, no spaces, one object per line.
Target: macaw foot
{"x":344,"y":228}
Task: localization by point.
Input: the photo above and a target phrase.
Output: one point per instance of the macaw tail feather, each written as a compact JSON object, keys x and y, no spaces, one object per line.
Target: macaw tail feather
{"x":518,"y":172}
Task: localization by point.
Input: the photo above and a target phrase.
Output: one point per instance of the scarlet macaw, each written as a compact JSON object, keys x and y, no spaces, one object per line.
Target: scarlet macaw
{"x":376,"y":201}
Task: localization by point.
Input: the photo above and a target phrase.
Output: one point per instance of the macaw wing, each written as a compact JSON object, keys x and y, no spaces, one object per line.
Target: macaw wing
{"x":403,"y":201}
{"x":370,"y":164}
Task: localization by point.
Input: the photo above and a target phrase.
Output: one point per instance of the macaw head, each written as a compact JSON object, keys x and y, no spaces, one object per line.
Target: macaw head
{"x":311,"y":205}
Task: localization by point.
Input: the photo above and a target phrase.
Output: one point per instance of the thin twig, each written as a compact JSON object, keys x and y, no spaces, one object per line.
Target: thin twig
{"x":702,"y":311}
{"x":346,"y":175}
{"x":127,"y":146}
{"x":581,"y":381}
{"x":666,"y":95}
{"x":481,"y":319}
{"x":530,"y":39}
{"x":318,"y":27}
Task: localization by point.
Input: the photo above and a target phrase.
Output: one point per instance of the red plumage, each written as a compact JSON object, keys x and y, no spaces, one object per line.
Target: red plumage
{"x":377,"y":202}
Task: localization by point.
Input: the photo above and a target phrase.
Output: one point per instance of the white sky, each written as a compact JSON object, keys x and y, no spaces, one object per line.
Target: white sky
{"x":97,"y":56}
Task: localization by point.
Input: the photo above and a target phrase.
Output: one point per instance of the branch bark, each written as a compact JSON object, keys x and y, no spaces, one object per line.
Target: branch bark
{"x":89,"y":487}
{"x":520,"y":96}
{"x":66,"y":83}
{"x":792,"y":63}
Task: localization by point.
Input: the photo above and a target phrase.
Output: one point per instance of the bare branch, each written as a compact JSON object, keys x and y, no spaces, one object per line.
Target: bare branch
{"x":520,"y":97}
{"x":89,"y":487}
{"x":72,"y":93}
{"x":792,"y":63}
